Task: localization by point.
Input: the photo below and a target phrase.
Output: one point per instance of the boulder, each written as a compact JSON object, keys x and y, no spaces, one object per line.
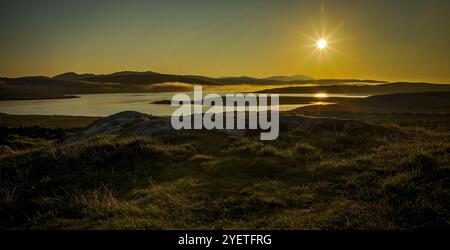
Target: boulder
{"x":5,"y":150}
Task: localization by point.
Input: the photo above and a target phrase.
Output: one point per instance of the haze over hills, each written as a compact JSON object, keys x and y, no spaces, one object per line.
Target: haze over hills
{"x":70,"y":83}
{"x":149,"y":77}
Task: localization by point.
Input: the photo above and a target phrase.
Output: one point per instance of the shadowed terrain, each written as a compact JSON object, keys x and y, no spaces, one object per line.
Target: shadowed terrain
{"x":69,"y":84}
{"x":380,"y":89}
{"x":425,"y":102}
{"x":379,"y":162}
{"x":375,"y":171}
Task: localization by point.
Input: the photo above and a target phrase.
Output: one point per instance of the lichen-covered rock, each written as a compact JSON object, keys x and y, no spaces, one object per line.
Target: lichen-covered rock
{"x":124,"y":123}
{"x":115,"y":124}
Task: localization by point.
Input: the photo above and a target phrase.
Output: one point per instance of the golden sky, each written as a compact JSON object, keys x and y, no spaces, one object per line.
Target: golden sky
{"x":399,"y":40}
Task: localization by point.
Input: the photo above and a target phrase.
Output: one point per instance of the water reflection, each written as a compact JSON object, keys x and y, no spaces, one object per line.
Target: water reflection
{"x":107,"y":104}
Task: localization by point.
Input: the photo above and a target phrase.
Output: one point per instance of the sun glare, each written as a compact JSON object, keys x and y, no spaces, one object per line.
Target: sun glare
{"x":320,"y":95}
{"x":322,"y":44}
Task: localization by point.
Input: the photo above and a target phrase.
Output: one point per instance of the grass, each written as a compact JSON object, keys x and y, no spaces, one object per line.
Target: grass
{"x":54,"y":122}
{"x":384,"y":175}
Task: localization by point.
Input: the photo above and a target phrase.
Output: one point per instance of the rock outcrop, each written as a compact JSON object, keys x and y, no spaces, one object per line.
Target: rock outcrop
{"x":5,"y":151}
{"x":124,"y":123}
{"x":131,"y":123}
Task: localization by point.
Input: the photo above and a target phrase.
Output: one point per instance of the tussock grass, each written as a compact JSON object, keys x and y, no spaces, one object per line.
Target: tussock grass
{"x":313,"y":177}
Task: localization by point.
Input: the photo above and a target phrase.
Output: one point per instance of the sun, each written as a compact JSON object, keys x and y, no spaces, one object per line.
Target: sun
{"x":320,"y":95}
{"x":322,"y":44}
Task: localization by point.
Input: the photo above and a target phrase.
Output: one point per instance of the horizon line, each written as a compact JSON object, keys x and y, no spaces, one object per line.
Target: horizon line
{"x":230,"y":76}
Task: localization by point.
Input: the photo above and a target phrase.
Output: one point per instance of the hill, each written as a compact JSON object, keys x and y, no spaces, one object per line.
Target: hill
{"x":387,"y":88}
{"x":72,"y":76}
{"x":68,"y":84}
{"x":26,"y":88}
{"x":289,"y":78}
{"x":319,"y":174}
{"x":424,"y":102}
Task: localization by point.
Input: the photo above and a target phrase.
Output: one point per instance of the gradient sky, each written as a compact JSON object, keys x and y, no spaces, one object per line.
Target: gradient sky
{"x":387,"y":40}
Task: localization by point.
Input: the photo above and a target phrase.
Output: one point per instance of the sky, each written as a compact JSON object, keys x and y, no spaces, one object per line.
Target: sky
{"x":401,"y":40}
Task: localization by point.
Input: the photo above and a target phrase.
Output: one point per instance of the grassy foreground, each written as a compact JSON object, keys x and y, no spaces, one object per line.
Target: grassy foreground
{"x":385,"y":173}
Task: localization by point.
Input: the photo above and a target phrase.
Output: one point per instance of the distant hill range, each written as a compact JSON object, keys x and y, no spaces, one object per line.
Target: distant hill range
{"x":424,"y":102}
{"x":149,"y":77}
{"x":67,"y":84}
{"x":290,"y":78}
{"x":385,"y":88}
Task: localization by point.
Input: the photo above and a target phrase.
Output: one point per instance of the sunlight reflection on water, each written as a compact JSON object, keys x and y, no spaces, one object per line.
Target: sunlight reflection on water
{"x":108,"y":104}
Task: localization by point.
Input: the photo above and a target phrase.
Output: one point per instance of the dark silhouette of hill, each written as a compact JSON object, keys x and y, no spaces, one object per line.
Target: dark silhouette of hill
{"x":425,"y":102}
{"x":388,"y":88}
{"x":289,"y":78}
{"x":26,"y":88}
{"x":64,"y":85}
{"x":149,"y":77}
{"x":72,"y":76}
{"x":140,"y":78}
